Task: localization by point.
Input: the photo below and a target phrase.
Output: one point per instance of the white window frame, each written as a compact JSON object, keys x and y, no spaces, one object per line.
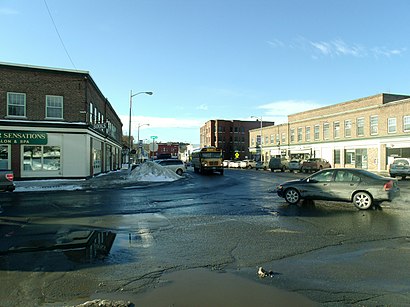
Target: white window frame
{"x":326,"y":131}
{"x":336,"y":130}
{"x":374,"y":125}
{"x":406,"y":123}
{"x":360,"y":126}
{"x":307,"y":133}
{"x":391,"y":125}
{"x":348,"y":128}
{"x":9,"y":104}
{"x":50,"y":99}
{"x":300,"y":134}
{"x":316,"y":132}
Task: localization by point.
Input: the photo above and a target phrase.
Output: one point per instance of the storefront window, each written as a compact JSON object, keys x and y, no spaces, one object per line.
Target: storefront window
{"x":4,"y":156}
{"x":97,"y":159}
{"x":41,"y":158}
{"x":336,"y":156}
{"x":350,"y":156}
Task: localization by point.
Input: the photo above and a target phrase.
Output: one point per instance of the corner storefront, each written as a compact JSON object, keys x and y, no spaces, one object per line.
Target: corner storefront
{"x":70,"y":151}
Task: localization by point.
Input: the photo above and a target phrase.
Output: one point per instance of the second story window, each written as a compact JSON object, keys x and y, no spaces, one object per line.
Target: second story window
{"x":316,"y":132}
{"x":326,"y":132}
{"x":360,"y":126}
{"x":307,"y":134}
{"x":16,"y":104}
{"x":406,"y":123}
{"x":348,"y":128}
{"x":300,"y":132}
{"x":54,"y":106}
{"x":336,"y":130}
{"x":374,"y":124}
{"x":292,"y":135}
{"x":392,"y":125}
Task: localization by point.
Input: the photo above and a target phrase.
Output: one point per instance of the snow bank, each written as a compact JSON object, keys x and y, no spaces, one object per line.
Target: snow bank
{"x":146,"y":172}
{"x":150,"y":171}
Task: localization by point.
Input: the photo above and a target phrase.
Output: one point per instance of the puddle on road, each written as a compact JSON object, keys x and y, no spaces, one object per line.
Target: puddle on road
{"x":201,"y":287}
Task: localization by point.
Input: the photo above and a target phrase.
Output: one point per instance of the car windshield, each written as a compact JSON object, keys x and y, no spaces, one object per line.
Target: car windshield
{"x":211,"y":154}
{"x":401,"y":162}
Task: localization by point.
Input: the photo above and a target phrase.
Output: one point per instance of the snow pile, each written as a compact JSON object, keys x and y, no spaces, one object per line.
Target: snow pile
{"x":150,"y":171}
{"x":146,"y":172}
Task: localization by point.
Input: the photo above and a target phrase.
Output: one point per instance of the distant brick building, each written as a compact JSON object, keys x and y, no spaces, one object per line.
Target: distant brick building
{"x":230,"y":135}
{"x":363,"y":133}
{"x":167,"y":151}
{"x":56,"y":123}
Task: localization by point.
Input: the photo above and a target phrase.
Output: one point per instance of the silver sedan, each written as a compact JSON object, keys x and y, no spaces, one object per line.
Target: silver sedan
{"x":358,"y":186}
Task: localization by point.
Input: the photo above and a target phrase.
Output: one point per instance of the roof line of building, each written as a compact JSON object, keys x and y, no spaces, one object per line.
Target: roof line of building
{"x":45,"y":68}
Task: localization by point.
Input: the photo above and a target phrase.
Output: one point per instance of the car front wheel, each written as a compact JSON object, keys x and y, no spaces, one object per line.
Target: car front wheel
{"x":179,"y":172}
{"x":292,"y":196}
{"x":362,"y":200}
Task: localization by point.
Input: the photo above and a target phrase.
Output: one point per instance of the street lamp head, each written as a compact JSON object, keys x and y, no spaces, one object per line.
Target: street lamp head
{"x":149,"y":93}
{"x":257,"y":117}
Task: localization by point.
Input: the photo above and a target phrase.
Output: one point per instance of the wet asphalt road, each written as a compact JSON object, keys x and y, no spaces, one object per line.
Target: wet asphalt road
{"x":331,"y":253}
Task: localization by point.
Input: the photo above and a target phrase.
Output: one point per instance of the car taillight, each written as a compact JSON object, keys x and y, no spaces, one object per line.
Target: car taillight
{"x":388,"y":185}
{"x":9,"y":177}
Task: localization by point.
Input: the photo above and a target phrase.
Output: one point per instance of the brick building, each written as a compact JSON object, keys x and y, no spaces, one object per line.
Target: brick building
{"x":56,"y":123}
{"x":364,"y":133}
{"x":230,"y":135}
{"x":167,"y":151}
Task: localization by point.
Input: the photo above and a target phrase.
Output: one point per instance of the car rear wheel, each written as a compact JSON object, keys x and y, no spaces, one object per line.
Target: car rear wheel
{"x":292,"y":196}
{"x":362,"y":200}
{"x":180,"y":172}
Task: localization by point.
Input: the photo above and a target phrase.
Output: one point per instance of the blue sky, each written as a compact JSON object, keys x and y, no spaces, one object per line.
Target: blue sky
{"x":216,"y":59}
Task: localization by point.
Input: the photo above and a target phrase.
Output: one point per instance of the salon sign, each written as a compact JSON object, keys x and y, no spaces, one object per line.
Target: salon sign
{"x":23,"y":137}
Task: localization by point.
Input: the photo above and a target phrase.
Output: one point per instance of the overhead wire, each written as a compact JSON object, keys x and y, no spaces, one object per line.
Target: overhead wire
{"x":59,"y":36}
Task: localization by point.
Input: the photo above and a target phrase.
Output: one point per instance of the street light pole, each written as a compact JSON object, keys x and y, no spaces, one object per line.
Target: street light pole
{"x":129,"y":126}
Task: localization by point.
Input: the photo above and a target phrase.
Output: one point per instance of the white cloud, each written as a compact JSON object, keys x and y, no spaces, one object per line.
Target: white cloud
{"x":339,"y":48}
{"x":336,"y":48}
{"x":382,"y":51}
{"x":276,"y":43}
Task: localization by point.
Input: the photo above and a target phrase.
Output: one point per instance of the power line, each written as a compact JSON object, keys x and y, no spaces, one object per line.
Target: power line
{"x":59,"y":36}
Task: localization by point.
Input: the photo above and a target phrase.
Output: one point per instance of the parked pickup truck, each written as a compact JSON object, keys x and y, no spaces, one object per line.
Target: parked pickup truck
{"x":314,"y":165}
{"x":6,"y":180}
